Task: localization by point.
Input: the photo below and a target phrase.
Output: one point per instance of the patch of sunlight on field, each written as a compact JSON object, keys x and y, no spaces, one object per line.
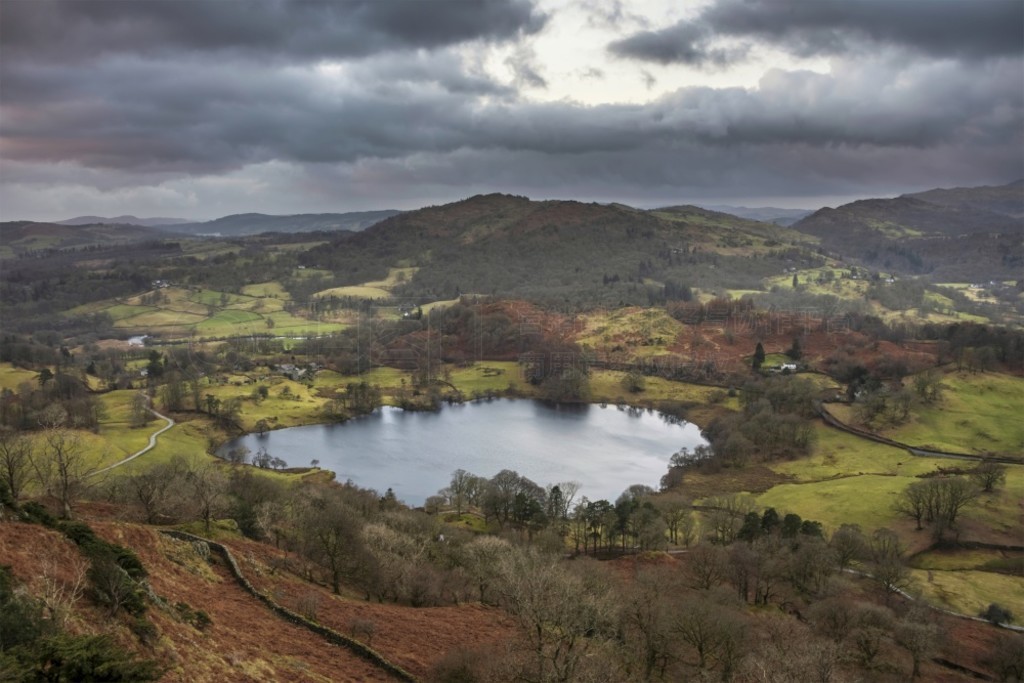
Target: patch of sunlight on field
{"x":161,"y":318}
{"x":971,"y":592}
{"x":266,"y":289}
{"x":633,"y":327}
{"x":606,"y":385}
{"x":287,"y":324}
{"x":356,"y":292}
{"x":376,"y":289}
{"x":287,"y":405}
{"x":386,"y":378}
{"x":914,"y":315}
{"x":12,"y":377}
{"x":120,"y":312}
{"x":427,"y":308}
{"x":493,"y":376}
{"x":396,"y":276}
{"x":297,"y":246}
{"x":865,"y":500}
{"x":308,"y":273}
{"x":212,"y":297}
{"x":979,"y":413}
{"x":231,"y":322}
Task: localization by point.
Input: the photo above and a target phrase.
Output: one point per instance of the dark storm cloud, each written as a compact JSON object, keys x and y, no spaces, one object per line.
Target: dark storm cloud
{"x":73,"y":30}
{"x":315,"y":100}
{"x":192,"y":116}
{"x":683,"y":43}
{"x":970,"y":29}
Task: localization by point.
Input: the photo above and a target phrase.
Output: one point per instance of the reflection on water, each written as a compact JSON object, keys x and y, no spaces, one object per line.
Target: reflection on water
{"x":606,"y":449}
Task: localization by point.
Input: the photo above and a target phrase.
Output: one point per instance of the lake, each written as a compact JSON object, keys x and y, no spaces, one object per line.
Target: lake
{"x":606,"y":449}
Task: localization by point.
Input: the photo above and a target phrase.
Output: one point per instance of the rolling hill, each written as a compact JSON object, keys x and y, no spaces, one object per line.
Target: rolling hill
{"x":1003,"y":199}
{"x":966,"y":233}
{"x":123,"y":220}
{"x":18,"y":237}
{"x":256,"y":223}
{"x":564,"y":251}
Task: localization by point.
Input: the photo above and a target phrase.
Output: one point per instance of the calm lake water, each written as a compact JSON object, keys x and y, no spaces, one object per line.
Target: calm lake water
{"x":414,"y":453}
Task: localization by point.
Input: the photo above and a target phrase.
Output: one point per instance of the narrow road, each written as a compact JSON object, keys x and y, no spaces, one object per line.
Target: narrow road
{"x":152,"y":444}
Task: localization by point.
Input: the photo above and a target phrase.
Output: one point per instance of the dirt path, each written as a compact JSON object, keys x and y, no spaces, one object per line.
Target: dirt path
{"x":149,"y":447}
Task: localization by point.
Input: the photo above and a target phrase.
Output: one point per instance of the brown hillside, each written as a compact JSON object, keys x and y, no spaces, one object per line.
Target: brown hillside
{"x":245,"y":641}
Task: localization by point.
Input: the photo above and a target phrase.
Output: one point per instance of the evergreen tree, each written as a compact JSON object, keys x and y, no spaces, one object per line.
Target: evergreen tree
{"x":795,"y":351}
{"x":758,"y":356}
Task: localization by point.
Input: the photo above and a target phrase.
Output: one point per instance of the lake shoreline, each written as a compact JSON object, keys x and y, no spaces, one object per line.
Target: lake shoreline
{"x":603,"y":444}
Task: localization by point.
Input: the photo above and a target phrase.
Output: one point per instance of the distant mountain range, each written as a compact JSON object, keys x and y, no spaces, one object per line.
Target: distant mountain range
{"x":248,"y":223}
{"x":766,"y":214}
{"x":122,"y":220}
{"x":505,"y":244}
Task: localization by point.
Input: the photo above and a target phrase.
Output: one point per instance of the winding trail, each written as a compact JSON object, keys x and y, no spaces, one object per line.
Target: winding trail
{"x":152,"y":444}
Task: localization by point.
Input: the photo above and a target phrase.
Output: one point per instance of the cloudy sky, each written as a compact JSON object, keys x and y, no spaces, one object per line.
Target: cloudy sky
{"x":201,"y":108}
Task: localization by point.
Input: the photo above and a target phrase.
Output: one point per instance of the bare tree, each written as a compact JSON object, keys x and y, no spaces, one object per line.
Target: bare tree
{"x":848,"y":544}
{"x":989,"y":475}
{"x":919,"y":635}
{"x":713,"y":630}
{"x":913,"y":502}
{"x":887,"y":566}
{"x":833,"y":617}
{"x":208,"y":486}
{"x":458,"y":488}
{"x":482,"y":558}
{"x":676,"y":510}
{"x":938,"y":501}
{"x":15,"y":461}
{"x":155,"y":489}
{"x":140,"y":415}
{"x":791,"y":654}
{"x":872,"y":625}
{"x":331,"y":536}
{"x":646,"y":613}
{"x":63,"y":466}
{"x":706,"y":565}
{"x":561,"y":614}
{"x":1007,"y":657}
{"x":59,"y":597}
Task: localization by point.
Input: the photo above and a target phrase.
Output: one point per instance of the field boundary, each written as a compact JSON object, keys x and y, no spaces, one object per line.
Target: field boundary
{"x":834,"y":421}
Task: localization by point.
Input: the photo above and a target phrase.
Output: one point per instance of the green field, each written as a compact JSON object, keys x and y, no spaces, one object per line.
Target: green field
{"x":970,"y":592}
{"x":12,"y":377}
{"x":266,"y":289}
{"x":606,"y":386}
{"x":377,"y":289}
{"x":489,"y":376}
{"x":864,"y":499}
{"x":980,"y":413}
{"x":355,"y":292}
{"x":183,"y":312}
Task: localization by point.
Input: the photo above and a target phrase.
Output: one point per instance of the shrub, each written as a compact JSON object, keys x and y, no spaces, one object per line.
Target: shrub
{"x":997,"y":614}
{"x":34,"y":513}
